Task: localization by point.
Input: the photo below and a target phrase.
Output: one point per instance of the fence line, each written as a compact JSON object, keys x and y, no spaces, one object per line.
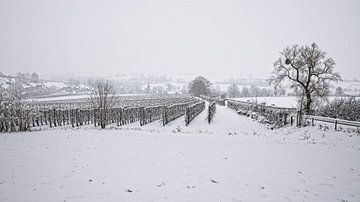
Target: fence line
{"x":335,"y":121}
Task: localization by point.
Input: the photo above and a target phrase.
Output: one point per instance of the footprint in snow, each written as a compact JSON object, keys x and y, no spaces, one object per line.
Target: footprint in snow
{"x":162,"y":184}
{"x":214,"y":181}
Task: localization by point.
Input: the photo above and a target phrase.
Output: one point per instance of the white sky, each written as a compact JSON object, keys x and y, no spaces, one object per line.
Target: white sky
{"x":237,"y":38}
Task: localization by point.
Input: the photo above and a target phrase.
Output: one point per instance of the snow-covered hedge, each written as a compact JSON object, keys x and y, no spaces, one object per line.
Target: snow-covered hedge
{"x":277,"y":116}
{"x":343,"y":108}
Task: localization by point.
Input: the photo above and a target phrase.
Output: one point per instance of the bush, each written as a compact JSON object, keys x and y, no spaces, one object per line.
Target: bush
{"x":343,"y":108}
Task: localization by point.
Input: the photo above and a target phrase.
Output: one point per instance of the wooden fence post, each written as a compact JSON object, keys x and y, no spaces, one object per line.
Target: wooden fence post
{"x":50,"y":117}
{"x":209,"y":111}
{"x":63,"y":117}
{"x":89,"y":116}
{"x":187,"y":116}
{"x":164,"y":118}
{"x":336,"y":123}
{"x":72,"y":118}
{"x":55,"y":117}
{"x":142,"y":116}
{"x":77,"y":117}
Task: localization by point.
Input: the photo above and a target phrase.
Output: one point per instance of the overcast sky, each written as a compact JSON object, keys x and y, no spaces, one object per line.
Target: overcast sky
{"x":237,"y":38}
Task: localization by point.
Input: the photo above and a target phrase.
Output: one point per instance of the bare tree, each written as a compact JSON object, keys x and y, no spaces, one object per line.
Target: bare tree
{"x":309,"y":72}
{"x":102,"y":99}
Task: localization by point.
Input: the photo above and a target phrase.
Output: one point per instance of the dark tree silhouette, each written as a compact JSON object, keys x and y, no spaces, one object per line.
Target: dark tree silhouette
{"x":199,"y":86}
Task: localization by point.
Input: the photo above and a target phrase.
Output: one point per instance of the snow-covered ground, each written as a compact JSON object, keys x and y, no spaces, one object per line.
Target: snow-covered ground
{"x":54,"y":84}
{"x":224,"y":86}
{"x":232,"y":159}
{"x":284,"y":101}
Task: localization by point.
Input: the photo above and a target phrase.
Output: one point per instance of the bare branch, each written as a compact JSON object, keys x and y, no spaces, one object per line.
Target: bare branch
{"x":308,"y":69}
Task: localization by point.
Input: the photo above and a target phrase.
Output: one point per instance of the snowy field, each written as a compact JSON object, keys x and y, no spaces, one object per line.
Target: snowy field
{"x":232,"y":159}
{"x":285,"y":101}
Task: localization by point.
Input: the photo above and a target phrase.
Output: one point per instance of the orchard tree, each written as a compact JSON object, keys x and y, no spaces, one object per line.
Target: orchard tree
{"x":233,"y":90}
{"x":199,"y":86}
{"x":309,"y":71}
{"x":102,"y":99}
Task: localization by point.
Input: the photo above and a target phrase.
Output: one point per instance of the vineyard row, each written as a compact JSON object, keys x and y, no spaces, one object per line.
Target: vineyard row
{"x":29,"y":120}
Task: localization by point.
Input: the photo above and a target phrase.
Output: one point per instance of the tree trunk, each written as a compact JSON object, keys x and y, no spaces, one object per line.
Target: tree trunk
{"x":103,"y":125}
{"x":103,"y":118}
{"x":308,"y":102}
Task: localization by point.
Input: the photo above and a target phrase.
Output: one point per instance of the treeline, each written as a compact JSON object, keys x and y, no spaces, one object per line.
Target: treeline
{"x":23,"y":77}
{"x":253,"y":91}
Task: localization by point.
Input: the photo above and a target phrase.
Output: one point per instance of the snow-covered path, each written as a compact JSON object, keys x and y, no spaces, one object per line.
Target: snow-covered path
{"x":225,"y":122}
{"x":232,"y":159}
